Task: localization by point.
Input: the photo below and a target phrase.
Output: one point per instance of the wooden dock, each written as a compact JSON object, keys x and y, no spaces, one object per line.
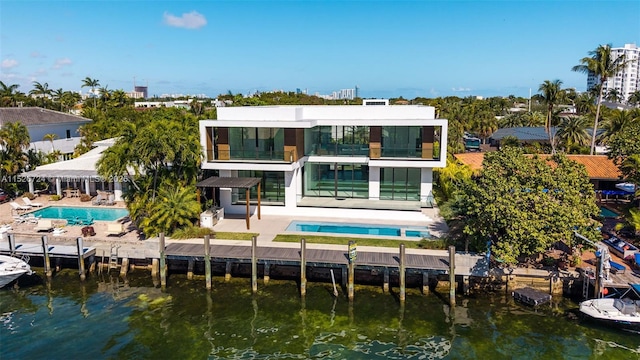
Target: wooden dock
{"x":55,"y":251}
{"x":466,"y":265}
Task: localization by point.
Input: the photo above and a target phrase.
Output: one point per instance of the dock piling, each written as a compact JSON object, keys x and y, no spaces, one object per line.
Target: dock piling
{"x":266,"y":272}
{"x":80,"y":246}
{"x":402,"y":273}
{"x":124,"y":266}
{"x":351,"y":276}
{"x":207,"y":262}
{"x":190,"y":265}
{"x":303,"y":267}
{"x":452,"y":275}
{"x":12,"y":243}
{"x":45,"y":253}
{"x":163,"y":262}
{"x":227,"y":271}
{"x":385,"y":281}
{"x":425,"y":283}
{"x":254,"y":264}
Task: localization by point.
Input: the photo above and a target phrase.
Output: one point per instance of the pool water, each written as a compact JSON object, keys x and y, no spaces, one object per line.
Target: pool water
{"x":357,"y":229}
{"x":606,"y":213}
{"x":68,"y":212}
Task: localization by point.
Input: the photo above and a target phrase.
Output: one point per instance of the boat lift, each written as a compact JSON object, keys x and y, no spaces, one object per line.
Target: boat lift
{"x":603,"y":267}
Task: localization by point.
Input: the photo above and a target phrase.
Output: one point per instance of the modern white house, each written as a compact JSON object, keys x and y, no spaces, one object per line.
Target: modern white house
{"x":321,"y":157}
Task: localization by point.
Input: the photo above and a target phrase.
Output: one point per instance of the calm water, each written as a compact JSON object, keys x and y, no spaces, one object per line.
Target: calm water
{"x":359,"y":229}
{"x":68,"y":212}
{"x":106,"y":318}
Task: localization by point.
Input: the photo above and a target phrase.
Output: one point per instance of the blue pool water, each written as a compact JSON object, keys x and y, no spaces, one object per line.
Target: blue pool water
{"x":68,"y":212}
{"x":357,"y":229}
{"x":606,"y":213}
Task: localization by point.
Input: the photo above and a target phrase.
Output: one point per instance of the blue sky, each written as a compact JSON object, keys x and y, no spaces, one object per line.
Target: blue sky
{"x":386,"y":48}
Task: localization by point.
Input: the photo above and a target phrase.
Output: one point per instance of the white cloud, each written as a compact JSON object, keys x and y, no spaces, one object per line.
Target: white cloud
{"x":460,"y":89}
{"x":192,"y":20}
{"x":9,"y":63}
{"x":62,"y":62}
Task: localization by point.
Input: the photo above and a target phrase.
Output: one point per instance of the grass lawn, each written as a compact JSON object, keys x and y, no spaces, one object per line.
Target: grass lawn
{"x":234,"y":235}
{"x":334,"y":240}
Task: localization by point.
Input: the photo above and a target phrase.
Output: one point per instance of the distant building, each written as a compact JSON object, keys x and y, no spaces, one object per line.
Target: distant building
{"x":626,"y":81}
{"x":142,"y":89}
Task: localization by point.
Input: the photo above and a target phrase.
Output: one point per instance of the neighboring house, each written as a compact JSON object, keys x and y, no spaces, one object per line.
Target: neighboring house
{"x":528,"y":134}
{"x":41,"y":122}
{"x":374,"y":157}
{"x":77,"y":173}
{"x":603,"y":173}
{"x":66,"y":147}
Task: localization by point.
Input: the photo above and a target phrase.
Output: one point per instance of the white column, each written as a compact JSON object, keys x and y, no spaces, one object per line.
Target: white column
{"x":299,"y":184}
{"x":87,"y":186}
{"x":290,"y":192}
{"x":374,"y":183}
{"x":426,"y":183}
{"x":59,"y":186}
{"x":117,"y":190}
{"x":32,"y":188}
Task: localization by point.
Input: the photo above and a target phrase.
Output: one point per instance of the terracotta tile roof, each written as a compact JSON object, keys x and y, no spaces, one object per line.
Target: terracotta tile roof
{"x":29,"y":116}
{"x":599,"y":167}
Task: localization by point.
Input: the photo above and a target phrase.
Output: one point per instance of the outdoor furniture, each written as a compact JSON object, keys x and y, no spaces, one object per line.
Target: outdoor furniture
{"x":110,"y":200}
{"x":28,"y":202}
{"x":44,"y":225}
{"x":98,"y":200}
{"x":18,"y":207}
{"x":88,"y":231}
{"x":115,"y":229}
{"x":58,"y":231}
{"x":617,"y":267}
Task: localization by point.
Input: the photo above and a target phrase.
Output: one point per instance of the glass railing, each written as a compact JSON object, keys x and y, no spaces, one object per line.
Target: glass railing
{"x":340,"y":150}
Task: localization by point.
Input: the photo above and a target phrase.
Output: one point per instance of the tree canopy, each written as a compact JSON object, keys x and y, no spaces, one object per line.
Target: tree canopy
{"x":523,"y":204}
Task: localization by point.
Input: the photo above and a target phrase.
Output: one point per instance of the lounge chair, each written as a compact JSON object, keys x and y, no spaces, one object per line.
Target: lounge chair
{"x":617,"y":267}
{"x":44,"y":225}
{"x":18,"y":207}
{"x":115,"y":229}
{"x":58,"y":231}
{"x":28,"y":202}
{"x":98,"y":200}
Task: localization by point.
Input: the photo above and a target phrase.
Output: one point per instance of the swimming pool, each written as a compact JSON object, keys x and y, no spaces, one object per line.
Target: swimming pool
{"x":606,"y":213}
{"x":68,"y":212}
{"x":358,"y":229}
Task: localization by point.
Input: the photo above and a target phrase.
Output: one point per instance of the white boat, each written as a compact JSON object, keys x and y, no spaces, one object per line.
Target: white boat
{"x":12,"y":268}
{"x":623,"y":313}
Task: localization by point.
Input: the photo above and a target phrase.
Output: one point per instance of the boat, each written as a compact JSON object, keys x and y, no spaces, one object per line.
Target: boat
{"x":622,"y":313}
{"x":12,"y":268}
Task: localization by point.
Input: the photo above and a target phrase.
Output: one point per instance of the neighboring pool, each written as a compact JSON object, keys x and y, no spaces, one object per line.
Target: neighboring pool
{"x":357,"y":229}
{"x":68,"y":212}
{"x":606,"y":213}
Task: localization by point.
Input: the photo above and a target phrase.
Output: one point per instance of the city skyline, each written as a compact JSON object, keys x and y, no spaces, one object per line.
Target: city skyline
{"x":389,"y":49}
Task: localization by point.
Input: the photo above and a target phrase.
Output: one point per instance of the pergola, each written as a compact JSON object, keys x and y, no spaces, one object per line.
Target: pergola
{"x":235,"y":183}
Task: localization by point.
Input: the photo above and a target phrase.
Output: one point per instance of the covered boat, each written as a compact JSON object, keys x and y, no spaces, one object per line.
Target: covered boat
{"x":622,"y":313}
{"x":12,"y":268}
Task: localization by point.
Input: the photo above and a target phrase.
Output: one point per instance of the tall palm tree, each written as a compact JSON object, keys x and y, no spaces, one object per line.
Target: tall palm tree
{"x":614,"y":95}
{"x":41,"y":90}
{"x":617,"y":121}
{"x":600,"y":64}
{"x":57,"y":96}
{"x":91,"y":83}
{"x":50,"y":137}
{"x":634,"y":99}
{"x":551,"y":94}
{"x":585,"y":103}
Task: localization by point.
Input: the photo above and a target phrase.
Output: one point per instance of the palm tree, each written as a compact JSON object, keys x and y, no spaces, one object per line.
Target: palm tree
{"x":551,"y":94}
{"x":175,"y":206}
{"x":57,"y":96}
{"x":601,"y":65}
{"x":50,"y":137}
{"x":91,"y":83}
{"x":8,"y":93}
{"x":41,"y":90}
{"x":14,"y":136}
{"x":616,"y":122}
{"x":614,"y":95}
{"x":585,"y":103}
{"x":105,"y":95}
{"x":634,"y":99}
{"x":572,"y":131}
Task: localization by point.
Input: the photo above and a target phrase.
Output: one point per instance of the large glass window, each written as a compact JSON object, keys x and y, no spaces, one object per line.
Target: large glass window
{"x":256,"y":143}
{"x":401,"y":141}
{"x":272,"y":188}
{"x":399,"y":184}
{"x":337,"y":140}
{"x":336,"y":180}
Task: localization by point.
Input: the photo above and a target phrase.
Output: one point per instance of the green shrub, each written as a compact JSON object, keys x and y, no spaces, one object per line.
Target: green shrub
{"x":54,"y":197}
{"x":437,"y":244}
{"x":192,"y":232}
{"x":29,"y":195}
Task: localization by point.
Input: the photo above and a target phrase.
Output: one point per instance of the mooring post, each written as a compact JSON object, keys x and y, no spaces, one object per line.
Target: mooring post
{"x":351,"y":276}
{"x":266,"y":272}
{"x":385,"y":281}
{"x":163,"y":262}
{"x":452,"y":275}
{"x":207,"y":262}
{"x":155,"y":266}
{"x":12,"y":243}
{"x":597,"y":286}
{"x":254,"y":264}
{"x":303,"y":267}
{"x":465,"y":285}
{"x":227,"y":271}
{"x":92,"y":264}
{"x":403,"y":290}
{"x":80,"y":246}
{"x":45,"y":254}
{"x":124,"y":267}
{"x":190,"y":265}
{"x":425,"y":283}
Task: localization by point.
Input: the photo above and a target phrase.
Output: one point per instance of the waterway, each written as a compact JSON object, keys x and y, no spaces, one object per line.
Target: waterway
{"x":109,"y":318}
